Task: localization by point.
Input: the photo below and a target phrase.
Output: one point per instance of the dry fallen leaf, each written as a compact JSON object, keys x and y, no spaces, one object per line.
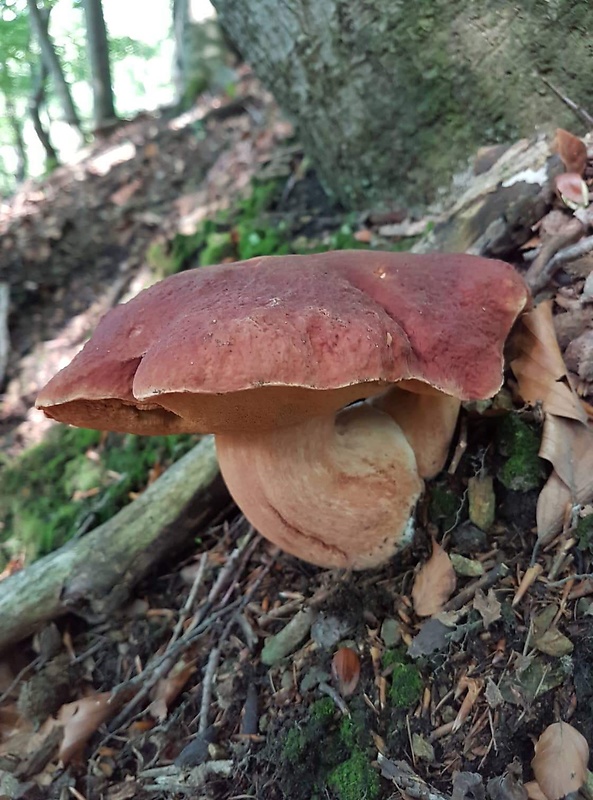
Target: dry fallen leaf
{"x":567,"y":441}
{"x":487,"y":606}
{"x":346,"y":670}
{"x":560,"y":761}
{"x":534,"y":791}
{"x":80,"y":721}
{"x":539,"y":367}
{"x":571,"y":150}
{"x":435,"y":582}
{"x":168,"y":689}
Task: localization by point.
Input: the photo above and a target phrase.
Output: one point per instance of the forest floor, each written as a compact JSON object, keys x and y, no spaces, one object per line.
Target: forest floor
{"x":302,"y":683}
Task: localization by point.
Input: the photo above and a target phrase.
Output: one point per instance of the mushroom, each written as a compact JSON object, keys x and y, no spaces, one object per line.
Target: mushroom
{"x":332,"y":383}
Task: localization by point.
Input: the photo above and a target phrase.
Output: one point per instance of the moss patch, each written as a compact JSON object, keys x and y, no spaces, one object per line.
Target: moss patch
{"x":355,"y":778}
{"x":523,"y":470}
{"x":326,"y":751}
{"x":444,"y":506}
{"x":74,"y":481}
{"x":584,"y":532}
{"x":405,"y":688}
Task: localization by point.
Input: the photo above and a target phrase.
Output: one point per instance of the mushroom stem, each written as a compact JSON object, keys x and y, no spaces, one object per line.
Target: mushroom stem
{"x":338,"y":491}
{"x":428,"y":420}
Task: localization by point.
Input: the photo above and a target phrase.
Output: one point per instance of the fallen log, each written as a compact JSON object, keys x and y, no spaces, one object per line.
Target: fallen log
{"x":93,"y":575}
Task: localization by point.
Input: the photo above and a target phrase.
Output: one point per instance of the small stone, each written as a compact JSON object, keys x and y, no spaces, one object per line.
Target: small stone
{"x":481,"y":501}
{"x":328,"y":630}
{"x":290,"y":637}
{"x":312,"y":678}
{"x":467,"y":539}
{"x":467,"y":567}
{"x":391,"y":632}
{"x":554,"y":643}
{"x":422,"y":749}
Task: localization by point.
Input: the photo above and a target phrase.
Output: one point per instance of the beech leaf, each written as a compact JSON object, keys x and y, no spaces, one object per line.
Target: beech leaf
{"x":80,"y":721}
{"x":539,"y":366}
{"x":571,"y":150}
{"x":168,"y":689}
{"x":567,"y":441}
{"x":435,"y":582}
{"x":346,"y":670}
{"x":560,"y":761}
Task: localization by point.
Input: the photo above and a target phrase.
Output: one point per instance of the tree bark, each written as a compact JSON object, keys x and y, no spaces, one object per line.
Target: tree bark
{"x":40,"y":27}
{"x":4,"y":332}
{"x":98,"y":50}
{"x":19,"y":142}
{"x":36,"y":99}
{"x":180,"y":11}
{"x":391,"y":98}
{"x":93,"y":575}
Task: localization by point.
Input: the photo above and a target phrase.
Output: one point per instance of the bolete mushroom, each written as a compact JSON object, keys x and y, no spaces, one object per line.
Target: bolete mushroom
{"x":271,"y":354}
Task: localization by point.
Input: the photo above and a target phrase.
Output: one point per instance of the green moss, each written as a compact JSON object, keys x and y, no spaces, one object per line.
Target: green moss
{"x":406,"y":686}
{"x":393,"y":656}
{"x":355,"y":778}
{"x":523,"y":469}
{"x":584,"y":533}
{"x":73,"y":481}
{"x":294,"y":745}
{"x":323,"y":710}
{"x":444,"y":505}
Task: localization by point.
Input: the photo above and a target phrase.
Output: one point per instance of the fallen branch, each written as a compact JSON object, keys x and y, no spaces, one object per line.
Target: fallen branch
{"x":555,"y":253}
{"x":93,"y":575}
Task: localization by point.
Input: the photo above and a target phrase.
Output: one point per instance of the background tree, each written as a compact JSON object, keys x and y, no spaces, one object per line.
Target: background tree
{"x":98,"y":50}
{"x":202,"y":58}
{"x":390,"y":97}
{"x":39,"y":20}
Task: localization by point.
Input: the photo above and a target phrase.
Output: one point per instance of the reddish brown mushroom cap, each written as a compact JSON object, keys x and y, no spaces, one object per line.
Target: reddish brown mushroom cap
{"x":252,"y":344}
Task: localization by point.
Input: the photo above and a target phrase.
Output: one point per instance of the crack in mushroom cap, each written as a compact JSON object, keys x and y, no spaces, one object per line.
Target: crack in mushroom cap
{"x":272,"y":341}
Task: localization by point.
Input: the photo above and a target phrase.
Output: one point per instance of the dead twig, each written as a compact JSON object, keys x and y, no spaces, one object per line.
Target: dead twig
{"x":578,"y":110}
{"x":214,"y":657}
{"x":561,"y":249}
{"x":187,"y":606}
{"x":406,"y":780}
{"x":335,"y":696}
{"x":485,"y":582}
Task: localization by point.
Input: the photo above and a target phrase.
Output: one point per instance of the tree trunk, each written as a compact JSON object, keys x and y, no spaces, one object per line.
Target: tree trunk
{"x":98,"y":50}
{"x":391,"y":98}
{"x":93,"y":575}
{"x":19,"y":142}
{"x":180,"y":10}
{"x":35,"y":101}
{"x":40,"y":26}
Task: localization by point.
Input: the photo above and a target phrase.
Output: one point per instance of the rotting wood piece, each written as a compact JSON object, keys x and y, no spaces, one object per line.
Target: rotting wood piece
{"x":93,"y":575}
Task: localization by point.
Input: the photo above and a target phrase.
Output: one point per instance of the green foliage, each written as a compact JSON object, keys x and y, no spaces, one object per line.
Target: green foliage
{"x":73,"y":479}
{"x":250,"y":230}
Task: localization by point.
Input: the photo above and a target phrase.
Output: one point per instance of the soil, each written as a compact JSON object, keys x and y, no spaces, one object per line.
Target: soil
{"x":228,"y":720}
